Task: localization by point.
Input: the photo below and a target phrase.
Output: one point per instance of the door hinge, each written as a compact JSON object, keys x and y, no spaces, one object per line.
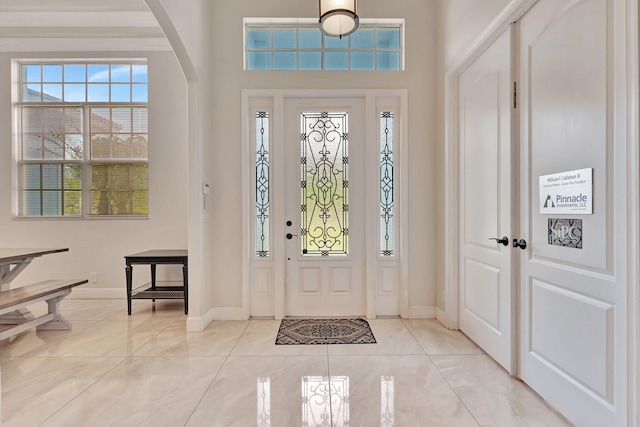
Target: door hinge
{"x":515,"y":95}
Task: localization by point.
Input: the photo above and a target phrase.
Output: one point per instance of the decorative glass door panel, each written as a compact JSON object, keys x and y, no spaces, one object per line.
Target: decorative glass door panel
{"x":324,"y":160}
{"x":324,"y":207}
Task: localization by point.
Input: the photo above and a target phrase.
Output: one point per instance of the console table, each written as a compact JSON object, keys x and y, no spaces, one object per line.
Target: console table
{"x":151,"y":290}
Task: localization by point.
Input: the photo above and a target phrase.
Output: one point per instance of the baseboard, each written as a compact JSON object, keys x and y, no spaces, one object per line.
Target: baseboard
{"x":229,"y":313}
{"x":421,"y":312}
{"x":441,"y":316}
{"x":98,"y":293}
{"x":198,"y":324}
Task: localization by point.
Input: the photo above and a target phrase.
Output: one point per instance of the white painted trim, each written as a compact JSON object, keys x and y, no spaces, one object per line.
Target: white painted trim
{"x":245,"y":232}
{"x":403,"y":193}
{"x":199,"y":323}
{"x":370,"y":177}
{"x":99,"y":293}
{"x":278,"y":96}
{"x":228,"y":313}
{"x":421,"y":312}
{"x":440,"y":315}
{"x":510,"y":14}
{"x":633,"y":214}
{"x":514,"y":11}
{"x":278,"y":212}
{"x":93,"y":44}
{"x":314,"y":21}
{"x":75,"y":18}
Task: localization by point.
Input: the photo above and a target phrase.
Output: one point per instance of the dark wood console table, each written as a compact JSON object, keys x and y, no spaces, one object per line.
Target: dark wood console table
{"x":151,"y":290}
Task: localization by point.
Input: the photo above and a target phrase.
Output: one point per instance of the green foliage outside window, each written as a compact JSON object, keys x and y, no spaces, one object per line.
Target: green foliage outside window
{"x":84,"y":138}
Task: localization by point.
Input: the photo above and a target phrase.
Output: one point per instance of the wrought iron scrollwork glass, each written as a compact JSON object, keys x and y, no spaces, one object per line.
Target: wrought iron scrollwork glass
{"x":387,"y":397}
{"x":325,"y":400}
{"x":387,"y":222}
{"x":324,"y":183}
{"x":262,"y":183}
{"x":264,"y":402}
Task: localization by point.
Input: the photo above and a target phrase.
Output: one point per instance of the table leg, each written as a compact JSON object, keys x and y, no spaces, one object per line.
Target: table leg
{"x":185,"y":282}
{"x":153,"y":280}
{"x":7,"y":274}
{"x":129,"y":274}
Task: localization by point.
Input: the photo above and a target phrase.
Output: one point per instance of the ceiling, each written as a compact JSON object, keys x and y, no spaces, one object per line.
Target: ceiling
{"x":78,"y":25}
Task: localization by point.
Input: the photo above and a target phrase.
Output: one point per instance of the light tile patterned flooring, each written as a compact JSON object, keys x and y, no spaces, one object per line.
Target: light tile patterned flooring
{"x":146,"y":370}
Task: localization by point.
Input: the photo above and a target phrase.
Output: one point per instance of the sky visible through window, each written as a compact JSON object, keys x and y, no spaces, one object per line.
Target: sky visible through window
{"x":295,"y":47}
{"x":84,"y":83}
{"x":84,"y":137}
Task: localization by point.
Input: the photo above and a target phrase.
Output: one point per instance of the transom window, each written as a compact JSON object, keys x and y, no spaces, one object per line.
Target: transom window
{"x":82,"y":130}
{"x":287,"y":46}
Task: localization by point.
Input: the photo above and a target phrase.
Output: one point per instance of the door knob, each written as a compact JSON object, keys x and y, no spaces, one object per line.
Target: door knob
{"x":289,"y":236}
{"x":522,"y":244}
{"x":504,"y":240}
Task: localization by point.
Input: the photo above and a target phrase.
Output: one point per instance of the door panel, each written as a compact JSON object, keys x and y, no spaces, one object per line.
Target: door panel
{"x":324,"y":200}
{"x":485,"y":198}
{"x":573,"y":301}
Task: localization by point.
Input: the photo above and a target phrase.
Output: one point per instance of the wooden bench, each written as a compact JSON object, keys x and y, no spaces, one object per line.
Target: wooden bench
{"x":51,"y":291}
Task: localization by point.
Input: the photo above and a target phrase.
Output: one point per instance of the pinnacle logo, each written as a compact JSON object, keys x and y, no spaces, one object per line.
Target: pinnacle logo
{"x":546,"y":202}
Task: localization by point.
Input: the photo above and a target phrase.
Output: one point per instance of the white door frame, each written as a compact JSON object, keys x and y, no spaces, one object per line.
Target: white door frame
{"x":512,"y":12}
{"x":374,"y":99}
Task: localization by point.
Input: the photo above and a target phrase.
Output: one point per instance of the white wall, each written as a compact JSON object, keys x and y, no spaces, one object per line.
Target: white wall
{"x":215,"y":152}
{"x":187,"y":27}
{"x":459,"y":23}
{"x":229,"y":79}
{"x":100,"y":245}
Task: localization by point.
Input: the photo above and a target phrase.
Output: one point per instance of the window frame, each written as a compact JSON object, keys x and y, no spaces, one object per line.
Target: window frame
{"x":384,"y":252}
{"x":258,"y":252}
{"x":87,"y":160}
{"x":297,"y":24}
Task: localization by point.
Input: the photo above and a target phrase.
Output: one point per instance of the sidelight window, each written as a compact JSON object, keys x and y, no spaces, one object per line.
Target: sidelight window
{"x":262,"y":183}
{"x":387,"y":207}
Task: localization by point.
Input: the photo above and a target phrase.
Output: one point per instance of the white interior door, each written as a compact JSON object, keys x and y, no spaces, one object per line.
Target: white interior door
{"x":573,"y":299}
{"x":324,"y":207}
{"x":486,"y":199}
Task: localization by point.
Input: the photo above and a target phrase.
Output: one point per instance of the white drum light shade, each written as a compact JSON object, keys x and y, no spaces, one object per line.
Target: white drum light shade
{"x":338,"y":17}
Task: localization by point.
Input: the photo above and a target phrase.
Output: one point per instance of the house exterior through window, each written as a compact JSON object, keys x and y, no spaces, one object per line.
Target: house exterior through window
{"x":82,"y":139}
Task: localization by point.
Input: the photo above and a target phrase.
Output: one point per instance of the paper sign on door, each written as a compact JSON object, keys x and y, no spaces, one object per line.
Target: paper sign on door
{"x":567,"y":192}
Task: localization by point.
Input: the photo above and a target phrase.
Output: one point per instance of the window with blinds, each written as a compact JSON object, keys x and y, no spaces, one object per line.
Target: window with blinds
{"x":83,"y":137}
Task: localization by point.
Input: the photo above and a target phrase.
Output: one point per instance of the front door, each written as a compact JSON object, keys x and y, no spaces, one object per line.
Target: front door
{"x":324,"y":207}
{"x":574,"y":269}
{"x":486,"y":183}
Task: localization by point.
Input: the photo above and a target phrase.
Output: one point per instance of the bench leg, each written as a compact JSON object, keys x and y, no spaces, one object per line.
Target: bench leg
{"x":16,"y":317}
{"x":58,"y":323}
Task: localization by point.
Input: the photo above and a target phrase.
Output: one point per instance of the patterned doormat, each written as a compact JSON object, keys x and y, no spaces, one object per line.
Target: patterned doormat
{"x":324,"y":331}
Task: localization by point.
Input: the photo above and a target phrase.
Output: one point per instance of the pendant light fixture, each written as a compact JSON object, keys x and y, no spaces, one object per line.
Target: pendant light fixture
{"x":338,"y":17}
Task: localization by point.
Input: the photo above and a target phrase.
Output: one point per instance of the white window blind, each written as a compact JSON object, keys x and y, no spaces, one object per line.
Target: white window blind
{"x":83,"y":134}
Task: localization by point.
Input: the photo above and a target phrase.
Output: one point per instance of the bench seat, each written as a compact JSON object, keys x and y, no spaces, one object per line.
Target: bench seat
{"x":51,"y":291}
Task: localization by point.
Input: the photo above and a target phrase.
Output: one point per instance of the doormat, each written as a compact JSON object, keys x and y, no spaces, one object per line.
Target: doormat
{"x":324,"y":331}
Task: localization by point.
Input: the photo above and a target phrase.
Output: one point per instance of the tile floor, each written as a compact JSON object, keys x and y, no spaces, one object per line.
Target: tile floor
{"x":146,"y":370}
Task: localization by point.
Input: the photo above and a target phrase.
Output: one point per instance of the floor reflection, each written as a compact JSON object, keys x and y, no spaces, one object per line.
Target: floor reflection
{"x":264,"y":402}
{"x":325,"y":401}
{"x":386,"y":401}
